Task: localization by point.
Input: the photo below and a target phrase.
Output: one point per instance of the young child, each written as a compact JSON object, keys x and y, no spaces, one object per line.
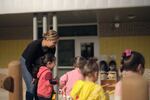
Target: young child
{"x":132,"y":85}
{"x":87,"y":89}
{"x":113,"y":72}
{"x":103,"y":66}
{"x":67,"y":80}
{"x":45,"y":86}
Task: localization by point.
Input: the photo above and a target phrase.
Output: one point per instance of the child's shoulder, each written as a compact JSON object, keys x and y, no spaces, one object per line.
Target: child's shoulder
{"x":80,"y":82}
{"x":98,"y":87}
{"x":74,"y":71}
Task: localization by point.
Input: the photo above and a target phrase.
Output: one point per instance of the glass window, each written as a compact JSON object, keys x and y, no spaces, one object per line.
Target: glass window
{"x":88,"y":30}
{"x":66,"y":52}
{"x":87,"y":50}
{"x":40,"y":32}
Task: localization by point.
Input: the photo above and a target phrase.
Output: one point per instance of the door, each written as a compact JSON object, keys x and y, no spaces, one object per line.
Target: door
{"x":87,"y":47}
{"x":70,"y":47}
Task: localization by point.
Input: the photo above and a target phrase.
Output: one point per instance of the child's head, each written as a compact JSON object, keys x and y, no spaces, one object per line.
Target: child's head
{"x":133,"y":61}
{"x":48,"y":60}
{"x":103,"y":66}
{"x":91,"y":69}
{"x":79,"y":62}
{"x":112,"y":65}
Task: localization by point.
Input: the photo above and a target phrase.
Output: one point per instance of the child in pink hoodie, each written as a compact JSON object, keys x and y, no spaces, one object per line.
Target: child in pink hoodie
{"x":45,"y":86}
{"x":68,"y":79}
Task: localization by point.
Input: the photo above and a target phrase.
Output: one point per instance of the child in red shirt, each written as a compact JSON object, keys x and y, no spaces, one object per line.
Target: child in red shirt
{"x":45,"y":86}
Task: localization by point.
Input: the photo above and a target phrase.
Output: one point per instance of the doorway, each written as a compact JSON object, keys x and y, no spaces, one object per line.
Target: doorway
{"x":70,"y":47}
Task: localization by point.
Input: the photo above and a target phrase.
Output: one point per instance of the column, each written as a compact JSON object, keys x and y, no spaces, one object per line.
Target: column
{"x":56,"y":54}
{"x":44,"y":22}
{"x":35,"y":32}
{"x":55,"y":71}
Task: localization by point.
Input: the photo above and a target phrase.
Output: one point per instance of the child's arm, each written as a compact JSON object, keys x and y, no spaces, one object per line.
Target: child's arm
{"x":63,"y":81}
{"x":49,"y":77}
{"x":53,"y":81}
{"x":117,"y":94}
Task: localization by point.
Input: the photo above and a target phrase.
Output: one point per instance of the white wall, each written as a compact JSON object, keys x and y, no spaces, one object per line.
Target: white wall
{"x":24,"y":6}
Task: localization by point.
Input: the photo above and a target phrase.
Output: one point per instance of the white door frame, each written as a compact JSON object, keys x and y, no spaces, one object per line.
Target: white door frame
{"x":79,"y":40}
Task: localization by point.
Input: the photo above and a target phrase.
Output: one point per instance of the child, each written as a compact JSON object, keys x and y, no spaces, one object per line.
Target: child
{"x":103,"y":66}
{"x":132,"y":85}
{"x":113,"y":72}
{"x":45,"y":86}
{"x":112,"y":65}
{"x":87,"y":89}
{"x":68,"y":79}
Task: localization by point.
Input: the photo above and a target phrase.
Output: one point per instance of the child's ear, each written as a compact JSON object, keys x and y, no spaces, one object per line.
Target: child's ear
{"x":140,"y":69}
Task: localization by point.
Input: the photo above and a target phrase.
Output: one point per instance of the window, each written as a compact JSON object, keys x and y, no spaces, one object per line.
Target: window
{"x":66,"y":52}
{"x":88,"y":30}
{"x":87,"y":50}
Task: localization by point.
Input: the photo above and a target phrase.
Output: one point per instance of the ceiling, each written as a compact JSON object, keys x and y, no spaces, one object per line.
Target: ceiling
{"x":139,"y":14}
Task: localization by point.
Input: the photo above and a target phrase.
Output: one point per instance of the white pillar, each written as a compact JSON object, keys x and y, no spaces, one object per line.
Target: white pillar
{"x":35,"y":33}
{"x":55,"y":71}
{"x":56,"y":54}
{"x":44,"y":22}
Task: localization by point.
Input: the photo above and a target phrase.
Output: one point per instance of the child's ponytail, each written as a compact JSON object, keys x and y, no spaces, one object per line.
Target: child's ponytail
{"x":131,"y":59}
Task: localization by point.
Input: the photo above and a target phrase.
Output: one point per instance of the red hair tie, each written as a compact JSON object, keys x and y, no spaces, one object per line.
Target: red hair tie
{"x":127,"y":52}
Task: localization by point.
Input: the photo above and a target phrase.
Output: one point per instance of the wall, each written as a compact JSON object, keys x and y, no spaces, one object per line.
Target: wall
{"x":115,"y":46}
{"x":16,"y":32}
{"x":11,"y":50}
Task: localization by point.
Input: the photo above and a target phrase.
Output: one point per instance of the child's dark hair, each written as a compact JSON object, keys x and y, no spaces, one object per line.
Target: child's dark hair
{"x":79,"y":62}
{"x":112,"y":62}
{"x":47,"y":58}
{"x":103,"y":66}
{"x":42,"y":61}
{"x":90,"y":67}
{"x":131,"y":60}
{"x":112,"y":65}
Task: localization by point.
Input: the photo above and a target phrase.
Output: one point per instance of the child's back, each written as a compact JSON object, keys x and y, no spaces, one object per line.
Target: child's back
{"x":70,"y":78}
{"x":67,"y":80}
{"x":132,"y":85}
{"x":44,"y":76}
{"x":87,"y":90}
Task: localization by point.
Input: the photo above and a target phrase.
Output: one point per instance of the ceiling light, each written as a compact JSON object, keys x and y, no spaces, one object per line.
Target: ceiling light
{"x":117,"y":25}
{"x":131,"y":16}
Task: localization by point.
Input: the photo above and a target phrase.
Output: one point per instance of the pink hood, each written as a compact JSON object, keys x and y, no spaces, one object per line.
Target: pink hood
{"x":44,"y":87}
{"x":42,"y":70}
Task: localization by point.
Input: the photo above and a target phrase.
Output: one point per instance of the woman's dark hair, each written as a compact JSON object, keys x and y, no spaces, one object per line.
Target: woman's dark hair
{"x":104,"y":66}
{"x":79,"y":62}
{"x":47,"y":58}
{"x":131,"y":60}
{"x":90,"y":67}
